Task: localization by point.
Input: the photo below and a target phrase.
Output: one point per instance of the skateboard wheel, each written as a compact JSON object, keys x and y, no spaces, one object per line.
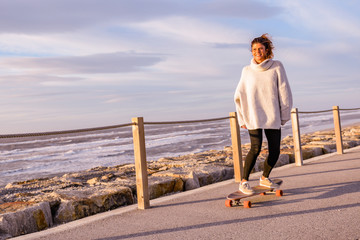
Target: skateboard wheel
{"x":247,"y":204}
{"x":279,"y":193}
{"x":263,"y":193}
{"x":228,"y":203}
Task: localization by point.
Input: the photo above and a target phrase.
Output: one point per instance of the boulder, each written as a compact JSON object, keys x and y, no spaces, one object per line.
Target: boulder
{"x":350,"y":144}
{"x":23,"y":218}
{"x":282,"y":160}
{"x":192,"y":181}
{"x":208,"y":174}
{"x":79,"y":203}
{"x":311,"y":151}
{"x":327,"y":146}
{"x":160,"y":186}
{"x":175,"y":172}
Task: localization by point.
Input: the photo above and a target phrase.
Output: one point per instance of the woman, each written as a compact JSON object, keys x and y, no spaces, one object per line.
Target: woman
{"x":263,"y":100}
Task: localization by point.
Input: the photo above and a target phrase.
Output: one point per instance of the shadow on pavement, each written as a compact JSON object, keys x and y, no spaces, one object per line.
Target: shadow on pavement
{"x":227,"y":222}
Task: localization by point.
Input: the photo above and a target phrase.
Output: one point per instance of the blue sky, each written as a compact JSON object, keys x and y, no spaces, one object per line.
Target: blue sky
{"x":68,"y":64}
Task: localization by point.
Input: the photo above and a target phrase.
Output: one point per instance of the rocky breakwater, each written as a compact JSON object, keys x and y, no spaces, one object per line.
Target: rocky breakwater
{"x":38,"y":204}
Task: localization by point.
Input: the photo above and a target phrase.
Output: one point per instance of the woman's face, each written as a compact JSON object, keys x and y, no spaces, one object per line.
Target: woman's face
{"x":258,"y":52}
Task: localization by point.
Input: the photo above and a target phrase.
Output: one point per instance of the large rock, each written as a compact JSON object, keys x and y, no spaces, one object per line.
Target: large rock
{"x":175,"y":172}
{"x":23,"y":218}
{"x":327,"y":146}
{"x":350,"y":144}
{"x":282,"y":160}
{"x":160,"y":186}
{"x":208,"y":174}
{"x":311,"y":151}
{"x":76,"y":204}
{"x":199,"y":175}
{"x":192,"y":182}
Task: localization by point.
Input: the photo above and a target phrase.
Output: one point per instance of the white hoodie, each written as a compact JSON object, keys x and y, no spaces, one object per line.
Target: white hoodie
{"x":263,"y":96}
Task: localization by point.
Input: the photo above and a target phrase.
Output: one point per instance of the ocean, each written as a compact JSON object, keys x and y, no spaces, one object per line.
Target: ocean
{"x":45,"y":156}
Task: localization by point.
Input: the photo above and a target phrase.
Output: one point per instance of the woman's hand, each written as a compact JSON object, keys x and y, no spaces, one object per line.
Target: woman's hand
{"x":244,"y":127}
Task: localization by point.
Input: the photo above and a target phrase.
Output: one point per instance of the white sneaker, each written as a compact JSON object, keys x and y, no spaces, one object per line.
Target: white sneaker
{"x":268,"y":183}
{"x":245,"y":188}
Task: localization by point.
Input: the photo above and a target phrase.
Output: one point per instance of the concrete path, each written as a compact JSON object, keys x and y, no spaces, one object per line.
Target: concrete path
{"x":321,"y":201}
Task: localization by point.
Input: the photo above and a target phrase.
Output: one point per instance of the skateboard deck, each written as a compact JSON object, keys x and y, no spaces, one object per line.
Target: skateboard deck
{"x":234,"y":198}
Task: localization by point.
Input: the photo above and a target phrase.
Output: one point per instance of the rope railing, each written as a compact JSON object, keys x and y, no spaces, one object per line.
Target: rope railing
{"x":146,"y":123}
{"x":64,"y":131}
{"x":188,"y":121}
{"x":349,"y":109}
{"x":323,"y":111}
{"x":19,"y":135}
{"x":330,"y":110}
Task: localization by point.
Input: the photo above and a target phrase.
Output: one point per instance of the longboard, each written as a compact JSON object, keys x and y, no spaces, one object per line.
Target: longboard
{"x":234,"y":198}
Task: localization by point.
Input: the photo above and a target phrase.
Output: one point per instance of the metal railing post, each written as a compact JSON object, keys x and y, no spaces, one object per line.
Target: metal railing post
{"x":236,"y":146}
{"x":142,"y":187}
{"x":296,"y":137}
{"x":337,"y":126}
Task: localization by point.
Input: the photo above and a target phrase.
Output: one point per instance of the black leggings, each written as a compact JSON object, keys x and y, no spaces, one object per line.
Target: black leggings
{"x":273,"y":137}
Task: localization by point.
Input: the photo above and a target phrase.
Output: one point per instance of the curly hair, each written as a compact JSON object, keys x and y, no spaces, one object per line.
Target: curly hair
{"x":265,"y":40}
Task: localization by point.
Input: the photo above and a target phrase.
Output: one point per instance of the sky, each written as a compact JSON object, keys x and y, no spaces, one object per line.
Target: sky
{"x":70,"y":64}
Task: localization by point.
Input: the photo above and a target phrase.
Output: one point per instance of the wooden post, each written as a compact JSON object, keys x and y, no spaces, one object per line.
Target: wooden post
{"x":337,"y":126}
{"x":296,"y":137}
{"x":236,"y":146}
{"x":140,"y":163}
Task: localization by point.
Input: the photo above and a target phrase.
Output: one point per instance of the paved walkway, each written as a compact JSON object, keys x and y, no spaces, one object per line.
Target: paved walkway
{"x":321,"y":201}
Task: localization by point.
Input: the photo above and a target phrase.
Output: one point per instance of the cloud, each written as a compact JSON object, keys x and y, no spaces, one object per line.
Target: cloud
{"x":39,"y":16}
{"x":69,"y":15}
{"x":241,"y":9}
{"x":31,"y":79}
{"x":322,"y":17}
{"x":230,"y":45}
{"x":192,"y":30}
{"x":118,"y":62}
